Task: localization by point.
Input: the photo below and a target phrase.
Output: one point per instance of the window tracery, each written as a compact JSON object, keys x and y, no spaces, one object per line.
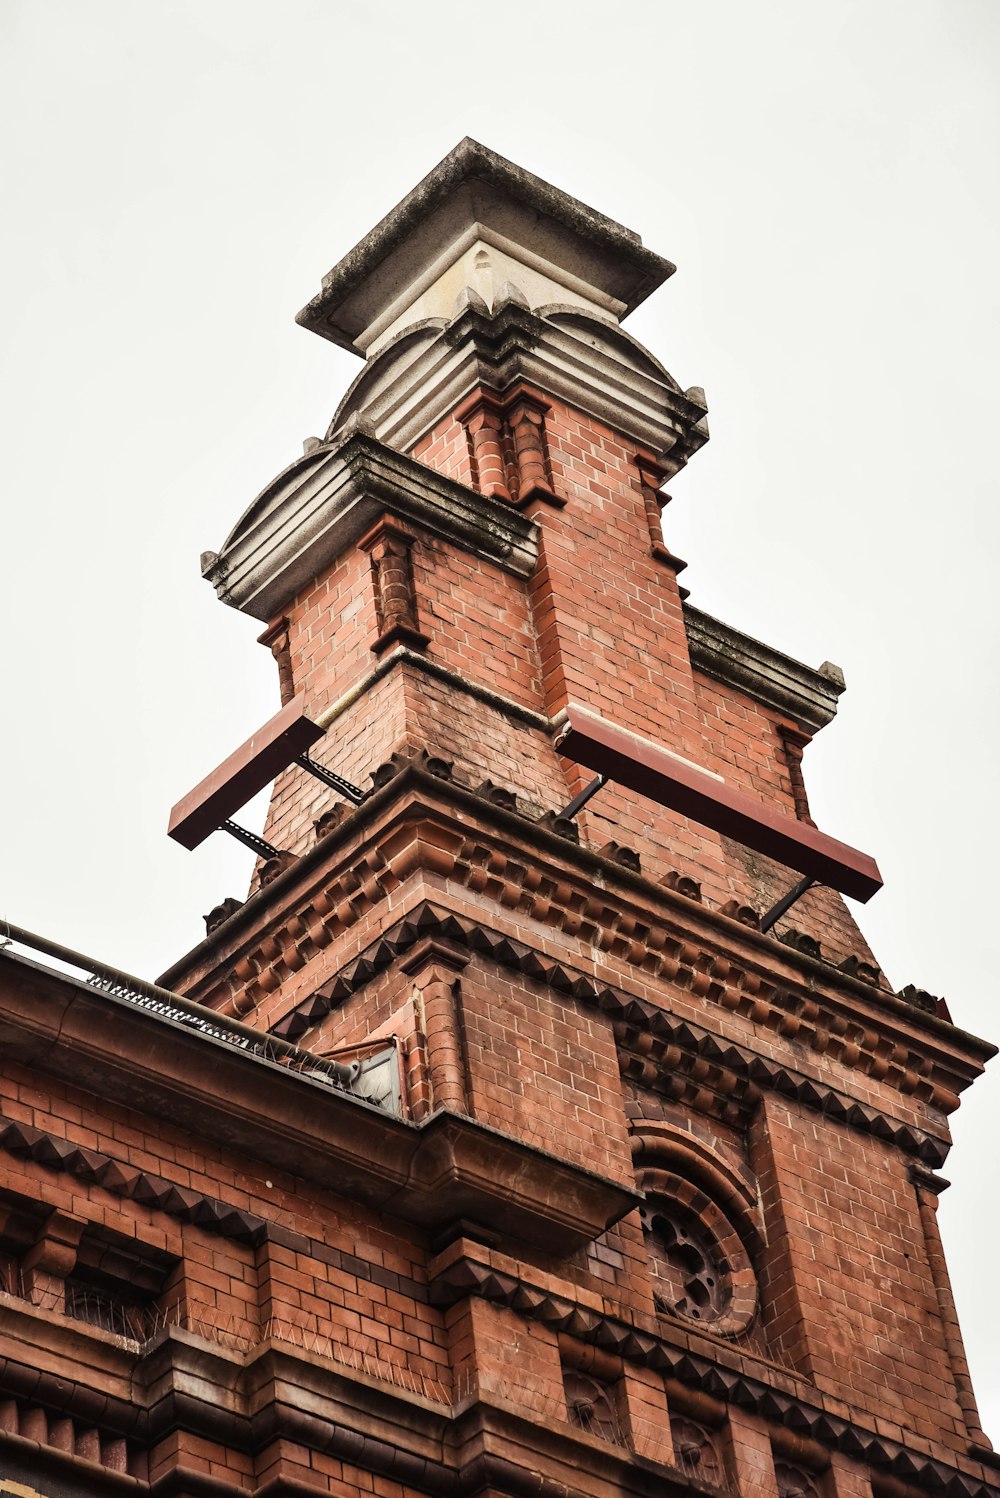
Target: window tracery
{"x":698,"y":1227}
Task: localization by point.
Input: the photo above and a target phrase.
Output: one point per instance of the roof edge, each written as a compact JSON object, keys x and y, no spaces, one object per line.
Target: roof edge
{"x":805,"y":693}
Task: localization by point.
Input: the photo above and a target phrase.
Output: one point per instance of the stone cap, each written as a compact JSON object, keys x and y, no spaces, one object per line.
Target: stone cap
{"x":326,"y":500}
{"x":477,"y":200}
{"x":805,"y":693}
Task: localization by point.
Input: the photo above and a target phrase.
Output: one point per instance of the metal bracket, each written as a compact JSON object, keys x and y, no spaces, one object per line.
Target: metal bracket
{"x":248,"y":839}
{"x":328,"y":777}
{"x":579,"y":801}
{"x":786,"y":902}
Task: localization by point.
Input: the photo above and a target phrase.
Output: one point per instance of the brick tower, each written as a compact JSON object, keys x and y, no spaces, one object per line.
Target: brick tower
{"x":505,"y":1140}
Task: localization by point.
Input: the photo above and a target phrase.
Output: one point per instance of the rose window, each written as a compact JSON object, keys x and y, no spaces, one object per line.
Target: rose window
{"x":699,"y":1264}
{"x":691,"y":1276}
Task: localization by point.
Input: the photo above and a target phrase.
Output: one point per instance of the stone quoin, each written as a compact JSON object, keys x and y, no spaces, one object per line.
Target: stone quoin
{"x":507,"y":1139}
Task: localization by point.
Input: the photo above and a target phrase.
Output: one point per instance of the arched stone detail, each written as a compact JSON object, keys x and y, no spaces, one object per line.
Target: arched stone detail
{"x":591,"y":1405}
{"x":699,"y":1232}
{"x":795,"y":1481}
{"x":658,"y":1145}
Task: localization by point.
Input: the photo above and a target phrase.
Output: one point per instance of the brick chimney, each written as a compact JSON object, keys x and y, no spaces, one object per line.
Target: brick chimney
{"x":509,"y":1147}
{"x":615,"y":1081}
{"x":477,"y":540}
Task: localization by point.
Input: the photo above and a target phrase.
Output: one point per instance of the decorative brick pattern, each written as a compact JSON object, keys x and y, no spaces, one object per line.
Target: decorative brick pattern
{"x":653,"y":1210}
{"x":649,"y":1032}
{"x":390,"y":545}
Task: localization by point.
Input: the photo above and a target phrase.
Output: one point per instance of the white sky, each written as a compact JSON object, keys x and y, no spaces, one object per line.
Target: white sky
{"x":177,"y":178}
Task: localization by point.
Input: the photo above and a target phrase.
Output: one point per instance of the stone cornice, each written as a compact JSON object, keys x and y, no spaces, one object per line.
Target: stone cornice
{"x":325,"y":501}
{"x":472,"y":186}
{"x":769,"y":677}
{"x":591,"y":365}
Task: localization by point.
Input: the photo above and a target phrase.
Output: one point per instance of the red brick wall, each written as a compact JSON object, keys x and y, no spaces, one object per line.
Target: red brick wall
{"x":226,"y":1286}
{"x":852,"y":1287}
{"x":848,"y":1308}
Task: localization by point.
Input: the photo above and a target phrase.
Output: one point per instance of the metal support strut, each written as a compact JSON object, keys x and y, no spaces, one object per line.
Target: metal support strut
{"x":580,"y":801}
{"x":786,"y":902}
{"x":248,"y":839}
{"x":329,"y":778}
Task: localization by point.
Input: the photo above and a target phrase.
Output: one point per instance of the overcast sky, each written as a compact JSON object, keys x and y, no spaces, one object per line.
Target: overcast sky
{"x":177,"y":178}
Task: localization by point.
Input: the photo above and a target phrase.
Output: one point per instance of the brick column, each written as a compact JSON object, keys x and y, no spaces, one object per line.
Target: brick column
{"x":501,"y":1357}
{"x":434,"y":969}
{"x":645,"y":1402}
{"x":753,"y":1458}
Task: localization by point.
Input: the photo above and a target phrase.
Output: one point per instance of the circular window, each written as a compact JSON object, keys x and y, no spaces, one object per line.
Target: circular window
{"x":690,"y":1274}
{"x":698,"y":1263}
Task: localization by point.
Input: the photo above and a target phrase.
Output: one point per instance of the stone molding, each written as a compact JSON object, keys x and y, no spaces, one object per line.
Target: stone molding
{"x":327,"y":500}
{"x":769,"y":677}
{"x":472,"y":187}
{"x":421,"y":378}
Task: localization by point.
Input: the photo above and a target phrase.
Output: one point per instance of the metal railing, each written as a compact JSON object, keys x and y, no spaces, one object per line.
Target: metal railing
{"x":271,"y":1050}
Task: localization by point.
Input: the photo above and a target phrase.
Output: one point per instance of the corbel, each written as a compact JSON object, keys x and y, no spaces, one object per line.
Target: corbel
{"x":48,"y":1265}
{"x":652,"y":476}
{"x":389,"y":546}
{"x":277,"y":640}
{"x":794,"y":741}
{"x":482,"y":416}
{"x":525,"y":411}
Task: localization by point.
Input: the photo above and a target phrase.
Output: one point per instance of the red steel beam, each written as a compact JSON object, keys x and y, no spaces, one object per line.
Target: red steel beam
{"x":247,"y":770}
{"x":643,"y":766}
